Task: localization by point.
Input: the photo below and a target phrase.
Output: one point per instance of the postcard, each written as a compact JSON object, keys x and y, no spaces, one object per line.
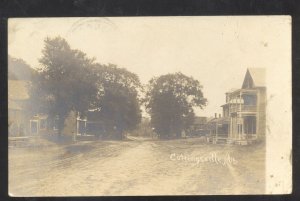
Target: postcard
{"x":119,"y":106}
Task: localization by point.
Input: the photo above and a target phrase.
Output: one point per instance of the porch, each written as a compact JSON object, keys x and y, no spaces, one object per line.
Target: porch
{"x":218,"y":130}
{"x":243,"y":130}
{"x":88,"y":129}
{"x":233,"y":130}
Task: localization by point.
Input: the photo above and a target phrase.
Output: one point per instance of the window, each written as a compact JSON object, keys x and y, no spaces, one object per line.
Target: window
{"x":250,"y":124}
{"x":249,"y":99}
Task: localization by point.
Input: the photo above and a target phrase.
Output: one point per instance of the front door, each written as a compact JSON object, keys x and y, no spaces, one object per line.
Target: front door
{"x":250,"y":125}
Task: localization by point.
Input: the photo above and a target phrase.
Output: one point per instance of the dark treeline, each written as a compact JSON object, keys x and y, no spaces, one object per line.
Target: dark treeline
{"x":68,"y":80}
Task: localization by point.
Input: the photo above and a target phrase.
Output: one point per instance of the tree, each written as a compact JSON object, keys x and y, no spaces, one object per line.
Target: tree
{"x":170,"y":100}
{"x":118,"y":99}
{"x":65,"y":81}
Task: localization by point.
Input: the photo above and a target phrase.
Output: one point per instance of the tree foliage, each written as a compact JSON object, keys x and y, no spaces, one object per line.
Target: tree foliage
{"x":117,"y":98}
{"x":170,"y":100}
{"x":70,"y":81}
{"x":64,"y":81}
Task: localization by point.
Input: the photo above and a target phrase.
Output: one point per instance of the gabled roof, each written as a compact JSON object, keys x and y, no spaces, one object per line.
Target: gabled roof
{"x":231,"y":90}
{"x":220,"y":120}
{"x":18,"y":90}
{"x":210,"y":119}
{"x":200,"y":120}
{"x":13,"y":105}
{"x":258,"y":75}
{"x":255,"y":77}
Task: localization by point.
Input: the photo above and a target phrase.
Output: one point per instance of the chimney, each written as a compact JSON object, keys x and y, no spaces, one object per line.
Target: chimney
{"x":216,"y":115}
{"x":220,"y":116}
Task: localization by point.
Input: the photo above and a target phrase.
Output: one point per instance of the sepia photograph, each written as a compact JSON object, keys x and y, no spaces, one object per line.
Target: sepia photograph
{"x":121,"y":106}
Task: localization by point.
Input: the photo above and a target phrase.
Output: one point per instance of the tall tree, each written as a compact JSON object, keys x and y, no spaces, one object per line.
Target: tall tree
{"x":65,"y":81}
{"x":118,"y":99}
{"x":170,"y":100}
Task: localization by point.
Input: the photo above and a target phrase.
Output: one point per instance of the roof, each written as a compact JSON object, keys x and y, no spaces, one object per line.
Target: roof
{"x":221,"y":120}
{"x":94,"y":116}
{"x":257,"y":75}
{"x":40,"y":116}
{"x":231,"y":90}
{"x":13,"y":105}
{"x":200,"y":120}
{"x":210,"y":118}
{"x":18,"y":89}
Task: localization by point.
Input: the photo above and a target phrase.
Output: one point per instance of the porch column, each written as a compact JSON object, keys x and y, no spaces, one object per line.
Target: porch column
{"x":230,"y":128}
{"x":38,"y":126}
{"x":235,"y":125}
{"x":241,"y":128}
{"x":30,"y":127}
{"x":240,"y":101}
{"x":257,"y":119}
{"x":216,"y":138}
{"x":240,"y":117}
{"x":77,"y":126}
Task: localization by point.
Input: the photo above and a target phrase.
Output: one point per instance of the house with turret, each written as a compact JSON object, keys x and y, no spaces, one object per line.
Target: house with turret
{"x":244,"y":112}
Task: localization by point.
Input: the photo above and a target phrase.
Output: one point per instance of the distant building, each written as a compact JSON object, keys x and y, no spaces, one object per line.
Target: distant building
{"x":199,"y":126}
{"x":244,"y":113}
{"x":218,"y":127}
{"x":20,"y":120}
{"x":90,"y":125}
{"x":18,"y":117}
{"x":38,"y":124}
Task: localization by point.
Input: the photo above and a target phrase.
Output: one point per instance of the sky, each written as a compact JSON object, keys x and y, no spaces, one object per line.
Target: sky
{"x":214,"y":50}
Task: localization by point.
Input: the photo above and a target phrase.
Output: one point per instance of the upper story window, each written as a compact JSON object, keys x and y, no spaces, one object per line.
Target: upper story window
{"x":249,"y":99}
{"x":225,"y":112}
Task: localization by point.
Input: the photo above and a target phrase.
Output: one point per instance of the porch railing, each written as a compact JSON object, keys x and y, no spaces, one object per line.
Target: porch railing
{"x":249,"y":136}
{"x":242,"y":108}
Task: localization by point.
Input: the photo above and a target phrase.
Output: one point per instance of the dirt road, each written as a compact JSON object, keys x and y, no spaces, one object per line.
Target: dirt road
{"x":138,"y":167}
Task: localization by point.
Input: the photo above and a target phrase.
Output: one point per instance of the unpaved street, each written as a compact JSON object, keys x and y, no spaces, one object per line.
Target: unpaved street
{"x":137,"y":167}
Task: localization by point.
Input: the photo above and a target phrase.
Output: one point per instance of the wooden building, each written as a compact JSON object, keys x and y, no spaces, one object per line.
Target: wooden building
{"x":89,"y":126}
{"x":218,"y":129}
{"x":18,"y":116}
{"x":245,"y":110}
{"x":21,"y":121}
{"x":199,"y":127}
